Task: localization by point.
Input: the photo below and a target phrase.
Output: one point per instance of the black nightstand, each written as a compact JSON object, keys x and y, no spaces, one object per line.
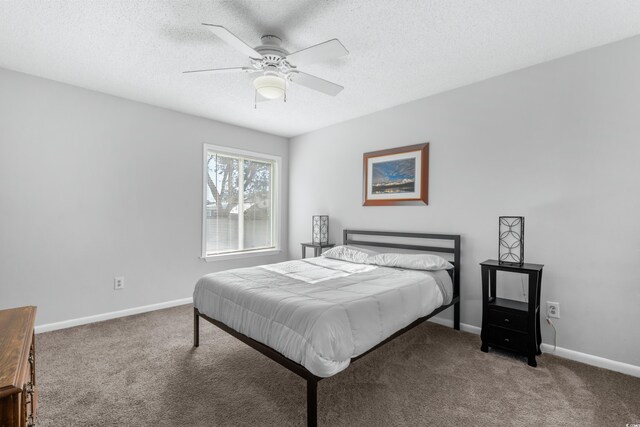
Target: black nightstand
{"x":317,"y":248}
{"x":509,"y":324}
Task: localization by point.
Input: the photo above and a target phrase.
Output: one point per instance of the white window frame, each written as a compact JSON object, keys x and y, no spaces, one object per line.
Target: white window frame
{"x":276,"y":203}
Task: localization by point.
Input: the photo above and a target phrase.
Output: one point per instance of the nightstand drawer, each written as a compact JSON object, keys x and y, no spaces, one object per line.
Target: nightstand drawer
{"x":508,"y":339}
{"x":507,"y":319}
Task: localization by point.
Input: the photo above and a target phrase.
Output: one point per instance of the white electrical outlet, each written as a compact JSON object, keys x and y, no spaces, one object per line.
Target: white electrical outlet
{"x":553,"y":309}
{"x":118,"y":283}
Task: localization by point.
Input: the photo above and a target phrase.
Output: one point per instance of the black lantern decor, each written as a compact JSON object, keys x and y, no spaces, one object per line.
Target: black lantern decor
{"x":320,"y":229}
{"x":511,"y":240}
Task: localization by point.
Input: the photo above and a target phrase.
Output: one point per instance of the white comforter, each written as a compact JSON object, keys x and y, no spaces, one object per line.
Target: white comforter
{"x":320,"y":312}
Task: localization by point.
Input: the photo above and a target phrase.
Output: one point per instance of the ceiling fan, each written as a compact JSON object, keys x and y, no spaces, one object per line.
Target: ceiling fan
{"x":277,"y":67}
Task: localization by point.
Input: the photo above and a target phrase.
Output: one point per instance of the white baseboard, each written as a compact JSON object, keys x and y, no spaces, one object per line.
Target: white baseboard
{"x":589,"y":359}
{"x":449,"y":323}
{"x":112,"y":315}
{"x":565,"y":353}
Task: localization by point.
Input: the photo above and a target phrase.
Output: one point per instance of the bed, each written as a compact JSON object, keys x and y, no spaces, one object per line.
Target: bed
{"x":317,"y":316}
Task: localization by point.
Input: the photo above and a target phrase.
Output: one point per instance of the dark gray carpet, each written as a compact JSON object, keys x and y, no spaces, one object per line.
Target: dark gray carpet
{"x":143,"y":371}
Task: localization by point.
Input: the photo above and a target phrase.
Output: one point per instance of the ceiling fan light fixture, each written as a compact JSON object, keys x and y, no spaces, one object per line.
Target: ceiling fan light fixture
{"x":269,"y":86}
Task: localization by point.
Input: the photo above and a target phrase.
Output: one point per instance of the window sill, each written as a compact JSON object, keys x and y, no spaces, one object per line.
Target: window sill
{"x":238,"y":255}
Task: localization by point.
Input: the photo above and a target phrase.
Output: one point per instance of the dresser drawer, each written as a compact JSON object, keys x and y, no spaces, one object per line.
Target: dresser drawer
{"x":507,"y":339}
{"x":508,"y":319}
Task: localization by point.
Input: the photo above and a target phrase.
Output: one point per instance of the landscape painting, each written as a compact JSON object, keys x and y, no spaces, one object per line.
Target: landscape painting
{"x":397,"y":176}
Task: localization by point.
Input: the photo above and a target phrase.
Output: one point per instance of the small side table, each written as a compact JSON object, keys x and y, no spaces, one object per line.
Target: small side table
{"x":509,"y":324}
{"x":317,"y":248}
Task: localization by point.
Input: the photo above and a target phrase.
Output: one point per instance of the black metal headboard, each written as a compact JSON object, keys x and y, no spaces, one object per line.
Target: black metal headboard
{"x":455,"y":250}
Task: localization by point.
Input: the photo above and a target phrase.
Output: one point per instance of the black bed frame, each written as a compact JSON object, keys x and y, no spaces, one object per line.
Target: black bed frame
{"x":312,"y":380}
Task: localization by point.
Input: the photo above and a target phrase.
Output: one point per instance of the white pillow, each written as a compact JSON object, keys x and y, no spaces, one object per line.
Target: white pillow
{"x":412,"y":261}
{"x":350,"y":254}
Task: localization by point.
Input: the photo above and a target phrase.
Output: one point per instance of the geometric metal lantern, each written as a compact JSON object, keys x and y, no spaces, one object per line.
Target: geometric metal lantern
{"x":511,"y":240}
{"x":320,"y":229}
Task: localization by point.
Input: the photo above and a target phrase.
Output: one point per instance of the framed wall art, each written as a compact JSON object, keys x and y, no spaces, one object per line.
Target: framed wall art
{"x":398,"y":176}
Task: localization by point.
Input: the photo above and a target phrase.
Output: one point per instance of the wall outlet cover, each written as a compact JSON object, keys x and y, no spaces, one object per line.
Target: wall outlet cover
{"x":553,"y":310}
{"x":118,"y":283}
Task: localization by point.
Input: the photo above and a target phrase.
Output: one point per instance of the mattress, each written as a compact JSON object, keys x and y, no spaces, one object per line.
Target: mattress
{"x":321,"y":312}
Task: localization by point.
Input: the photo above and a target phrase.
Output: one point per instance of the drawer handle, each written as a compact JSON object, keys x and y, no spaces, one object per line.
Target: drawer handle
{"x":506,"y":320}
{"x":506,"y":340}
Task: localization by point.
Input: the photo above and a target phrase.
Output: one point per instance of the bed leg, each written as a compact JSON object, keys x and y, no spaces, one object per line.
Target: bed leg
{"x":456,"y":316}
{"x":312,"y":402}
{"x":196,"y":327}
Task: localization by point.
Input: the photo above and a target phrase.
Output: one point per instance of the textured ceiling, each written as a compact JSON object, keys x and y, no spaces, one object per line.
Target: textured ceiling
{"x":400,"y":50}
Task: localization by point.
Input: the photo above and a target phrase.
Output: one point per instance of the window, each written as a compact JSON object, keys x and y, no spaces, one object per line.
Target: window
{"x":240,"y":212}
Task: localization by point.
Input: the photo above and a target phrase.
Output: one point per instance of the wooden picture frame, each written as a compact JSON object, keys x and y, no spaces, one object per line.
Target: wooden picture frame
{"x":397,"y":176}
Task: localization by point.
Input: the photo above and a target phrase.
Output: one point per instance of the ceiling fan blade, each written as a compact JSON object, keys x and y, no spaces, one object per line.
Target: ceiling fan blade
{"x":315,"y":83}
{"x":223,"y":70}
{"x":321,"y":52}
{"x":234,"y":41}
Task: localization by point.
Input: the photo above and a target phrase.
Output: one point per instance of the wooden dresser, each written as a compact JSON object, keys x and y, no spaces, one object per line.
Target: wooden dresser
{"x":18,"y":393}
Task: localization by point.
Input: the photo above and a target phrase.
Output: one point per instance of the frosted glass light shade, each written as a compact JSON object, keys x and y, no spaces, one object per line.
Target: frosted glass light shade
{"x":511,"y":240}
{"x":320,"y":229}
{"x":270,"y":87}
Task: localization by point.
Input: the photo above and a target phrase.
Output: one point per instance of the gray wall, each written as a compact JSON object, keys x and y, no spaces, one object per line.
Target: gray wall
{"x":558,"y":143}
{"x":93,"y":186}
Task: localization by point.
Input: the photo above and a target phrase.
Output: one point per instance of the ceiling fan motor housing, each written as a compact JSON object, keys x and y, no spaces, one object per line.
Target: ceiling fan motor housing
{"x":271,"y":46}
{"x":273,"y":57}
